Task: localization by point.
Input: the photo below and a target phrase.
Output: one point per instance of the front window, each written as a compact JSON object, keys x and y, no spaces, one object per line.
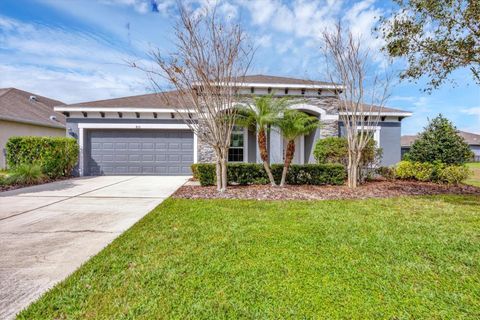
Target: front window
{"x":235,"y":152}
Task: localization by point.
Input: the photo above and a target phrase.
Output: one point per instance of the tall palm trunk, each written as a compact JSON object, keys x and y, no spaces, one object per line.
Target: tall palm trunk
{"x":288,"y":160}
{"x":262,"y":144}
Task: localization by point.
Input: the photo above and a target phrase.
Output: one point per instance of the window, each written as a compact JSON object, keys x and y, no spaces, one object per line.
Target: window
{"x":236,"y":150}
{"x":303,"y":91}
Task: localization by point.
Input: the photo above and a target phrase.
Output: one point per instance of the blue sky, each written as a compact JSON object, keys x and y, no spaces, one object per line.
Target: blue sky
{"x":76,"y":50}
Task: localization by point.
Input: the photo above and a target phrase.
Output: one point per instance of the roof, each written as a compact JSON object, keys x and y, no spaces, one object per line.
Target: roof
{"x":266,"y":79}
{"x":384,"y":110}
{"x":16,"y":106}
{"x":470,"y":138}
{"x":165,"y":100}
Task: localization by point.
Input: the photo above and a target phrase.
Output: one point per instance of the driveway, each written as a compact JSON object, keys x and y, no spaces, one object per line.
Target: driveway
{"x":48,"y":231}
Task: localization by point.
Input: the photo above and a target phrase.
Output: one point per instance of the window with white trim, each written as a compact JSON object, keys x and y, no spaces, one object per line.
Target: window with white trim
{"x":237,"y":145}
{"x":374,"y":132}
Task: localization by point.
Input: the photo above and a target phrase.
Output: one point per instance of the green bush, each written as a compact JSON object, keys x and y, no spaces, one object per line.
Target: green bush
{"x":433,"y":172}
{"x":26,"y":174}
{"x":405,"y":170}
{"x":386,"y":172}
{"x":253,"y":173}
{"x":206,"y":173}
{"x":194,"y":168}
{"x":331,"y":150}
{"x":56,"y":156}
{"x":454,"y":174}
{"x":335,"y":150}
{"x":440,"y":142}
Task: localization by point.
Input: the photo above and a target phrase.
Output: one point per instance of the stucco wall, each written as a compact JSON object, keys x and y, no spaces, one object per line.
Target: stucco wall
{"x":390,"y":133}
{"x":10,"y":129}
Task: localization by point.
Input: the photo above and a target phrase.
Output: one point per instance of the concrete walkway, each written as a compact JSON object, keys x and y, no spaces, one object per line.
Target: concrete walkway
{"x":48,"y":231}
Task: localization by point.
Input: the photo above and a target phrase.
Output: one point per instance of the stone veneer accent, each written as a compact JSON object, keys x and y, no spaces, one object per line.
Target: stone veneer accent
{"x":329,"y":127}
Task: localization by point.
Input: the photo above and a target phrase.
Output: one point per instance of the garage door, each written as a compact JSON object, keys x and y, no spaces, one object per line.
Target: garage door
{"x":139,"y":152}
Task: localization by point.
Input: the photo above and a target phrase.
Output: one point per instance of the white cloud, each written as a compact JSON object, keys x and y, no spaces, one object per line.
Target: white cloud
{"x":263,"y":41}
{"x":64,"y":64}
{"x":475,"y":111}
{"x":141,"y":6}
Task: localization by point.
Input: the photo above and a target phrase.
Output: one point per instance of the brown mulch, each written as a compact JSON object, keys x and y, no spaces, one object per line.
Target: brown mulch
{"x":374,"y":189}
{"x":18,"y":186}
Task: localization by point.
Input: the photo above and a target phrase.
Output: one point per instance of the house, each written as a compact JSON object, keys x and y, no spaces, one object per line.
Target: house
{"x":24,"y":113}
{"x":472,"y":139}
{"x":144,"y":135}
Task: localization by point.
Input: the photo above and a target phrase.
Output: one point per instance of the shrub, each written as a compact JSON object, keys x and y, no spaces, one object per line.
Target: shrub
{"x":206,"y":173}
{"x":433,"y":172}
{"x":454,"y":174}
{"x":253,"y":173}
{"x":194,"y":168}
{"x":405,"y":170}
{"x":386,"y":172}
{"x":335,"y":150}
{"x":26,"y":174}
{"x":56,"y":156}
{"x":440,"y":142}
{"x":331,"y":150}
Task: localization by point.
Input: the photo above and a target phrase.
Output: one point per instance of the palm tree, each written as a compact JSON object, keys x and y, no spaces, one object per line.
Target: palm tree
{"x":265,"y":112}
{"x":294,"y":124}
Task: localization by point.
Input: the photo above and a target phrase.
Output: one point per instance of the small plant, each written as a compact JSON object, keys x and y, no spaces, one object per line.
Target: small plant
{"x":26,"y":174}
{"x":386,"y":172}
{"x":454,"y":174}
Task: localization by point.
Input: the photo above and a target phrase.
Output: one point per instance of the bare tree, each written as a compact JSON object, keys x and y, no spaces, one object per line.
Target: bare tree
{"x":362,"y":93}
{"x":210,"y":60}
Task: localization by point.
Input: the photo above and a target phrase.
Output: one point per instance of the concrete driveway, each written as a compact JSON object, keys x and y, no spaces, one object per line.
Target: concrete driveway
{"x":48,"y":231}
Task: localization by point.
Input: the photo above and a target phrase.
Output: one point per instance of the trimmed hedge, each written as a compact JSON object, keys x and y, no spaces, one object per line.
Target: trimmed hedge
{"x":57,"y":156}
{"x":253,"y":173}
{"x":433,"y":172}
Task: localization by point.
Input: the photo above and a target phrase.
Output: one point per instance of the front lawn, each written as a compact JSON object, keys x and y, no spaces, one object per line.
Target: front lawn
{"x":475,"y":179}
{"x":398,"y":258}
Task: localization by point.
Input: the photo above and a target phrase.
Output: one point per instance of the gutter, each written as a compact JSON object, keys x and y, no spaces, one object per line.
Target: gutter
{"x":36,"y":123}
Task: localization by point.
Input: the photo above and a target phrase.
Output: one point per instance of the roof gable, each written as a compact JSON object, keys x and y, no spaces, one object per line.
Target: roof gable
{"x":17,"y":106}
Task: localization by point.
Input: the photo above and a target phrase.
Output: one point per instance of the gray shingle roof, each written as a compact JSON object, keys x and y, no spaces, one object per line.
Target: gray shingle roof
{"x":16,"y":106}
{"x":470,"y":138}
{"x":266,"y":79}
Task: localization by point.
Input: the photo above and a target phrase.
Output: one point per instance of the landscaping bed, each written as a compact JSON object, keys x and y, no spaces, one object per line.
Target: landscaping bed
{"x":374,"y":189}
{"x":9,"y":187}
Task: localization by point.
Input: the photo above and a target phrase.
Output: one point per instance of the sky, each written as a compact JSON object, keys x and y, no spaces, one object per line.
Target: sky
{"x":79,"y":50}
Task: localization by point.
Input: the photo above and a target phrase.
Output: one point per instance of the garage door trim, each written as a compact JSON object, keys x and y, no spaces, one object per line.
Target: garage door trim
{"x":166,"y":126}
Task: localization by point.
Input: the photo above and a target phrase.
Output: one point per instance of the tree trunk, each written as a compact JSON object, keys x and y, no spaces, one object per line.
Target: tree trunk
{"x":220,"y":170}
{"x":352,"y":170}
{"x":289,"y":153}
{"x":223,"y":165}
{"x":262,"y":144}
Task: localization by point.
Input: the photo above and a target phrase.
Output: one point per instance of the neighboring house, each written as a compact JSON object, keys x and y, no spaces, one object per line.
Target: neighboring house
{"x":143,"y":135}
{"x":27,"y":114}
{"x":472,"y":139}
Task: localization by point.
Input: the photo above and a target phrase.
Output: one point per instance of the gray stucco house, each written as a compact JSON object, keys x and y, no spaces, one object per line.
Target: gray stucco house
{"x":144,"y":135}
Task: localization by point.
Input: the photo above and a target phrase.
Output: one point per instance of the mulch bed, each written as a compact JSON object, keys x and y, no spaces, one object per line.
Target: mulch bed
{"x":18,"y":186}
{"x":374,"y":189}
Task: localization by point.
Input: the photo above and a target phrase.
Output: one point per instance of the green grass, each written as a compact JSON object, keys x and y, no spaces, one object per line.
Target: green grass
{"x":400,"y":258}
{"x":475,"y":179}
